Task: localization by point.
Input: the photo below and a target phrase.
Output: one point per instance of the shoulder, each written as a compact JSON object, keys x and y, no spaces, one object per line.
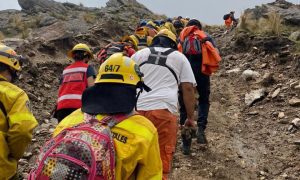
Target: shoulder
{"x":72,"y":120}
{"x":180,"y":58}
{"x":138,"y":125}
{"x":141,"y":55}
{"x":12,"y":91}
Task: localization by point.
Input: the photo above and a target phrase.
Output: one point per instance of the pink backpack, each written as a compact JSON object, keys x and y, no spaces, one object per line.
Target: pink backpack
{"x":83,"y":152}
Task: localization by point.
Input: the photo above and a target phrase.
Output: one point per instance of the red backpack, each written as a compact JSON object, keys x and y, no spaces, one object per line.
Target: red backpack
{"x":84,"y":152}
{"x":115,"y":47}
{"x":191,"y":45}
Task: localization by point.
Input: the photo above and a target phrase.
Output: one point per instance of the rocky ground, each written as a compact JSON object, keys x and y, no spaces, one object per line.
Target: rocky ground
{"x":255,"y":100}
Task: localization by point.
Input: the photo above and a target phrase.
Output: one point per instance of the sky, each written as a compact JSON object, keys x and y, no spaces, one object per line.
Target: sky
{"x":207,"y":11}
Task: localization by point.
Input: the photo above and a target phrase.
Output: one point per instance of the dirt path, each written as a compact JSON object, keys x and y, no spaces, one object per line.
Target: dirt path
{"x":245,"y":142}
{"x":220,"y":159}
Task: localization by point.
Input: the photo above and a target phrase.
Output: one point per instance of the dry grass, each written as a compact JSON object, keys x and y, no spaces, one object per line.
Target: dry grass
{"x":270,"y":25}
{"x":275,"y":23}
{"x":2,"y":36}
{"x":16,"y":21}
{"x":63,"y":17}
{"x":89,"y":17}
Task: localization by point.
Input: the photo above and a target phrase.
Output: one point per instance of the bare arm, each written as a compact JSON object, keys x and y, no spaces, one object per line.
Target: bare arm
{"x":189,"y":100}
{"x":91,"y":81}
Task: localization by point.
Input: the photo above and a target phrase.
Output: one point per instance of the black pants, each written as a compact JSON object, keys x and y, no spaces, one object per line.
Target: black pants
{"x":203,"y":88}
{"x":62,"y":113}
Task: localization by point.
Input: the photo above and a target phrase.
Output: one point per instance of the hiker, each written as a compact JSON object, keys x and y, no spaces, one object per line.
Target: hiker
{"x":140,"y":39}
{"x":115,"y":47}
{"x":199,"y":48}
{"x":169,"y":25}
{"x":142,"y":23}
{"x":164,"y":69}
{"x":74,"y":80}
{"x":183,"y":20}
{"x":178,"y":25}
{"x":230,"y":21}
{"x":152,"y":28}
{"x":16,"y":119}
{"x":135,"y":137}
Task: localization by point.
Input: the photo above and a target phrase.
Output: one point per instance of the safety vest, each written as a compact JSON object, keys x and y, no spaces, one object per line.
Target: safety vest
{"x":73,"y":83}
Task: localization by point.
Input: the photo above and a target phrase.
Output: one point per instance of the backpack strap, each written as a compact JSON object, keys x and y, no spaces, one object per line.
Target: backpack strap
{"x":110,"y":121}
{"x":160,"y":58}
{"x":3,"y":108}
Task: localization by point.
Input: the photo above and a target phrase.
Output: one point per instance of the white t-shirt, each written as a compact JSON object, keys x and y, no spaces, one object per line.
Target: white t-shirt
{"x":164,"y":94}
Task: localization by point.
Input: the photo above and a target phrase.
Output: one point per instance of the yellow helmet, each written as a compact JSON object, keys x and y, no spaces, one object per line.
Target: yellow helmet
{"x":119,"y":69}
{"x":141,"y":31}
{"x":166,"y":33}
{"x":80,"y":47}
{"x":131,"y":39}
{"x":9,"y":57}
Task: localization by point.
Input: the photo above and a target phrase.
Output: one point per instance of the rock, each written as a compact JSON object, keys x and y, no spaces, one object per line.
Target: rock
{"x":294,"y":84}
{"x":255,"y":96}
{"x":297,"y":142}
{"x":295,"y":36}
{"x":294,"y":102}
{"x":276,"y":92}
{"x":32,"y":96}
{"x":47,"y":86}
{"x":253,"y":113}
{"x":250,"y":75}
{"x":297,"y":87}
{"x":14,"y":42}
{"x":36,"y":6}
{"x":53,"y":121}
{"x":51,"y":130}
{"x":263,"y":65}
{"x":267,"y":79}
{"x":31,"y":54}
{"x":281,"y":115}
{"x":235,"y":71}
{"x":47,"y":20}
{"x":296,"y":122}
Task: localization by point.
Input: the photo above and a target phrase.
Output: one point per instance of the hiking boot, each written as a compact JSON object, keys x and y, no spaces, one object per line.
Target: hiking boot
{"x":186,"y":140}
{"x":186,"y":150}
{"x":201,"y":138}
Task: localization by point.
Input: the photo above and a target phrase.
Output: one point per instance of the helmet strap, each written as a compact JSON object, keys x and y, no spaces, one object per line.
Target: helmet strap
{"x":137,"y":97}
{"x":13,"y":74}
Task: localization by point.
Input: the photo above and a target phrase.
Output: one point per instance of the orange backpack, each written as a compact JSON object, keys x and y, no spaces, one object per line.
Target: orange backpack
{"x":210,"y":55}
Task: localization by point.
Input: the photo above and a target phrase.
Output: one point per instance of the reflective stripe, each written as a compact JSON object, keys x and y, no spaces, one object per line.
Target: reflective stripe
{"x":69,"y":96}
{"x":71,"y":70}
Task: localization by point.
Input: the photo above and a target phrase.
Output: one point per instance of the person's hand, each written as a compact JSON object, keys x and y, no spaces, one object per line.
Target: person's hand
{"x":189,"y":123}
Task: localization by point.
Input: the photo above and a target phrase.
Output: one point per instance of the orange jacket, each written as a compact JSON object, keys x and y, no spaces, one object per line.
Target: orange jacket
{"x":210,"y":55}
{"x":228,"y":21}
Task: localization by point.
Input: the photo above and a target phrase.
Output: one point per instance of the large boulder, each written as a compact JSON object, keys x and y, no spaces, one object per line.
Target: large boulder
{"x":269,"y":17}
{"x":36,"y":6}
